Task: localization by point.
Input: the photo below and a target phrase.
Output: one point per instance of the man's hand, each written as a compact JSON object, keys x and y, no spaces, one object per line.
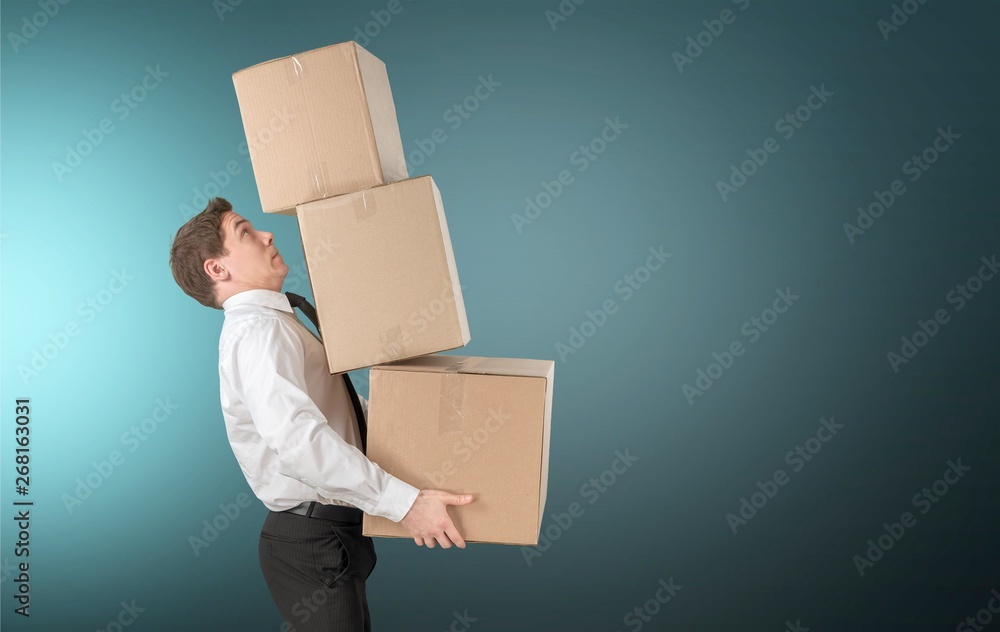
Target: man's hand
{"x":428,"y":520}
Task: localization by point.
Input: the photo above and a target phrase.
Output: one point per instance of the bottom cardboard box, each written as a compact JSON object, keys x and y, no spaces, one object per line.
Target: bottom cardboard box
{"x":466,"y":425}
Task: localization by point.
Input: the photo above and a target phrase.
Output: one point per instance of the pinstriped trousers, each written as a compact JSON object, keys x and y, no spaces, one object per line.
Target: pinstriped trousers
{"x":316,"y":570}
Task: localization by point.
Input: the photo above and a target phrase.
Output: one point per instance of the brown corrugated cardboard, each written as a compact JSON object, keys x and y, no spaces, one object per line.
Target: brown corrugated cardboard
{"x":319,"y":124}
{"x":466,"y":425}
{"x":383,"y":274}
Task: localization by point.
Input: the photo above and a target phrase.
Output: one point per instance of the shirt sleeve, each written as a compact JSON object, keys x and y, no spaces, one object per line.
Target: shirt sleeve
{"x":271,"y":361}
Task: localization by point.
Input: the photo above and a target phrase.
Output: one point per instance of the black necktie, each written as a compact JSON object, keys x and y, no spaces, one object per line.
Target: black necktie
{"x":299,"y":301}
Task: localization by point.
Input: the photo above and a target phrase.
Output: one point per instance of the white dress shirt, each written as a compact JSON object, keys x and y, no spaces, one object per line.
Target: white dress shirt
{"x":290,"y":422}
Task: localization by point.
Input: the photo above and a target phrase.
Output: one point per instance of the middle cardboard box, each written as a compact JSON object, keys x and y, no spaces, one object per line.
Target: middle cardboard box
{"x":383,"y":274}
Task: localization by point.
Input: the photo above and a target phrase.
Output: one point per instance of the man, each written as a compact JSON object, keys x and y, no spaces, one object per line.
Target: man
{"x":294,"y":431}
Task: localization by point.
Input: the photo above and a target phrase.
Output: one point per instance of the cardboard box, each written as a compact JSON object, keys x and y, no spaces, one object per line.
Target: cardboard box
{"x":319,"y":124}
{"x":383,"y":274}
{"x":466,"y":425}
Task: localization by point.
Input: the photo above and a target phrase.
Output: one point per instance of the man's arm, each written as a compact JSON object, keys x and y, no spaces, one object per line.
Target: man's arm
{"x":271,"y":361}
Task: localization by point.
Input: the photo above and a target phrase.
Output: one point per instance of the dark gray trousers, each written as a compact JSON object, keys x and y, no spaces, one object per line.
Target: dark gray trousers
{"x":316,"y":570}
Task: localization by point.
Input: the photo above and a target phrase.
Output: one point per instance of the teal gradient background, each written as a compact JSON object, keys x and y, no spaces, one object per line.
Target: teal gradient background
{"x":655,"y":185}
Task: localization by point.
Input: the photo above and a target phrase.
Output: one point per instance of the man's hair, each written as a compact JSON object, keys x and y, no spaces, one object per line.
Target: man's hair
{"x":200,"y":238}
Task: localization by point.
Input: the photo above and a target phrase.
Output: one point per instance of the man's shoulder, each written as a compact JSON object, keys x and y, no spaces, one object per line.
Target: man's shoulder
{"x":240,"y":324}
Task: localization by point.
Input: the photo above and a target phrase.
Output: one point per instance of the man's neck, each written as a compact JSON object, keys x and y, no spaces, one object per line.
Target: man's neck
{"x":234,"y":290}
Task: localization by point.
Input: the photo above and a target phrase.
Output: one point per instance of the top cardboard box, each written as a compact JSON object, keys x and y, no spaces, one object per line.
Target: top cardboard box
{"x":319,"y":124}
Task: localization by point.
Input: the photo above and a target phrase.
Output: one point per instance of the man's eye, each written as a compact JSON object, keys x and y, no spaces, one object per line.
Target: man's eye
{"x":245,"y":231}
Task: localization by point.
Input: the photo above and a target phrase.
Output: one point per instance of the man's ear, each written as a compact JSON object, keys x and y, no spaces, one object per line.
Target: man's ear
{"x":215,"y":270}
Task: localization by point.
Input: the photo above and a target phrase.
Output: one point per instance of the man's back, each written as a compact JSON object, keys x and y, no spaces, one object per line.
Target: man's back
{"x":277,"y":395}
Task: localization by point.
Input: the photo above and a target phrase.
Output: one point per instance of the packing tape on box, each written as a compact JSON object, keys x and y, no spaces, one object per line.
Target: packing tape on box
{"x":392,"y":343}
{"x":319,"y":180}
{"x":463,"y":365}
{"x":364,"y":206}
{"x":451,"y":402}
{"x":319,"y":176}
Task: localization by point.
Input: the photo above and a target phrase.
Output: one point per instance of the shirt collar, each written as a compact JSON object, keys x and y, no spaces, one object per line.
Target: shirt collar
{"x":260,"y":296}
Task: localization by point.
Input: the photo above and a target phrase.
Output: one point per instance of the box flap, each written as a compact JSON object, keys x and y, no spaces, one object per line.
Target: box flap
{"x":296,"y":55}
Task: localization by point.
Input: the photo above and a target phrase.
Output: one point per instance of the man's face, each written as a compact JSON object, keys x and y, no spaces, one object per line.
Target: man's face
{"x":253,"y":260}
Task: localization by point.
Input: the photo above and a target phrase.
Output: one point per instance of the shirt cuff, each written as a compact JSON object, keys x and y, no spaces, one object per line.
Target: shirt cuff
{"x":396,"y":500}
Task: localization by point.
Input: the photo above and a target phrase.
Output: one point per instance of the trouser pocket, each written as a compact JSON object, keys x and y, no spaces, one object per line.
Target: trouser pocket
{"x":345,"y":552}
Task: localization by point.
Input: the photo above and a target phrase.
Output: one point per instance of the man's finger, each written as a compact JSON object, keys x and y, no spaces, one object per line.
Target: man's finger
{"x":444,"y":541}
{"x":458,"y":499}
{"x":452,"y":532}
{"x":419,"y":541}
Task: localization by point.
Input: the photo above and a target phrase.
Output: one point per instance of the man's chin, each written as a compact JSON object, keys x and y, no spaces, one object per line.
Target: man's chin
{"x":282,"y":271}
